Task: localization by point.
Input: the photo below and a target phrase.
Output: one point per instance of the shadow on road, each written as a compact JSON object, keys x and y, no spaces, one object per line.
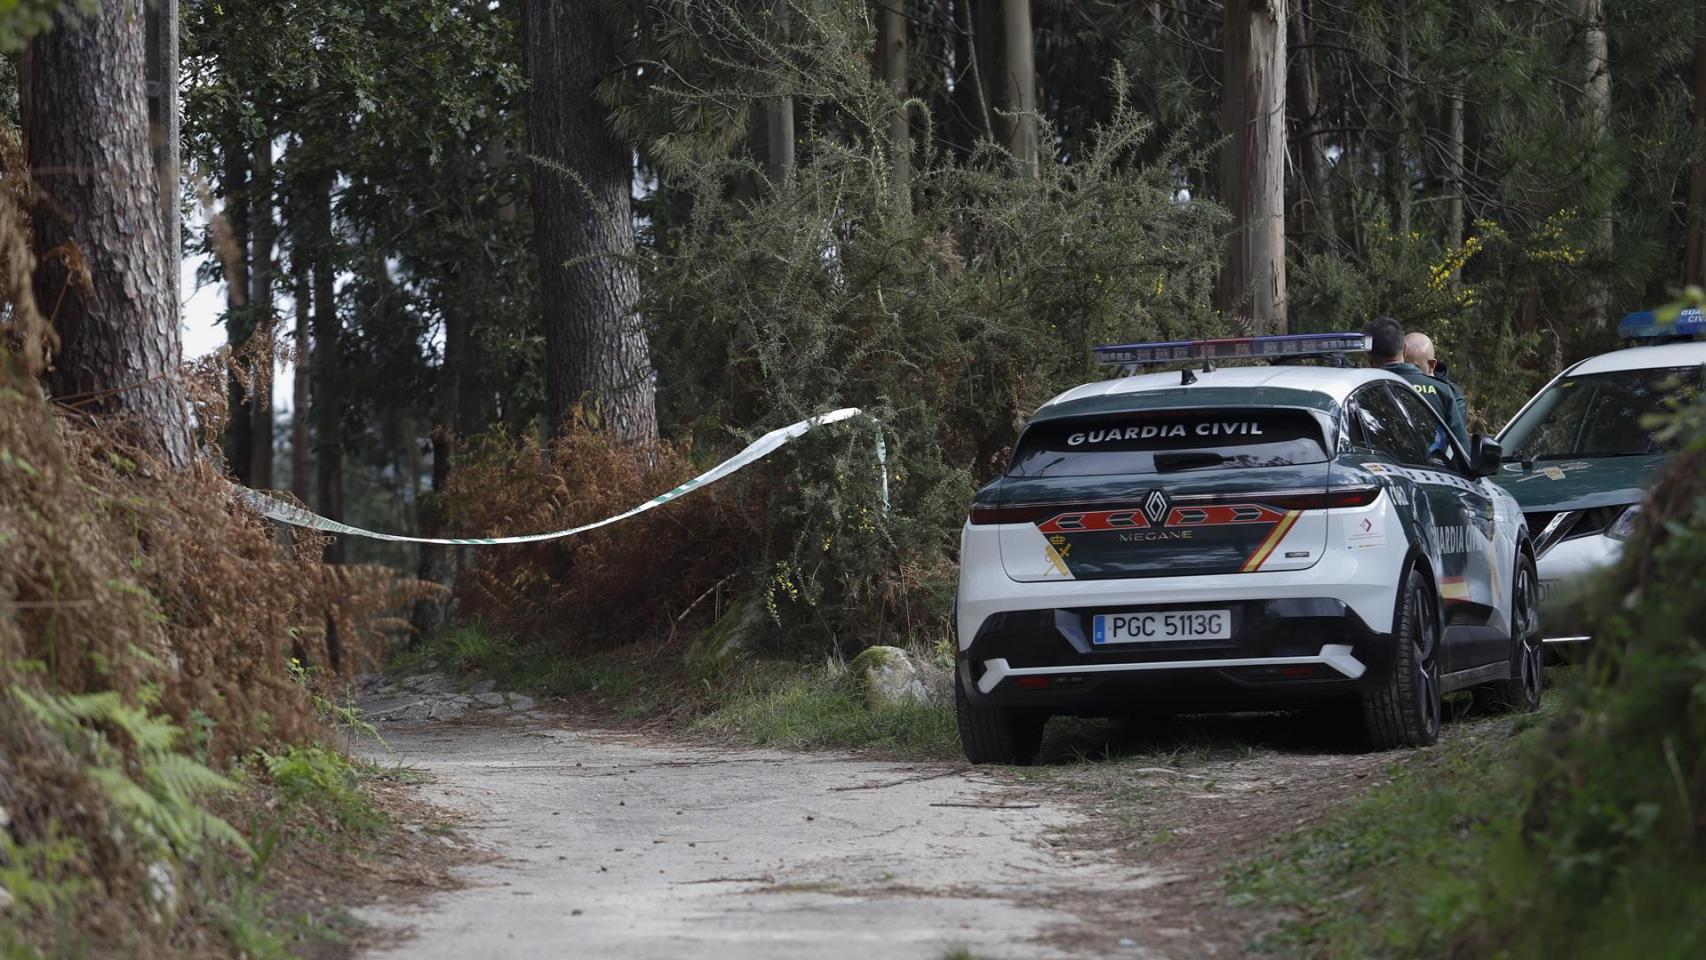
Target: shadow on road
{"x":1197,"y":738}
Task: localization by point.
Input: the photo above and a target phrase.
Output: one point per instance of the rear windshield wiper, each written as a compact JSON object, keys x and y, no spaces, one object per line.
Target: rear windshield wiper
{"x":1189,"y":460}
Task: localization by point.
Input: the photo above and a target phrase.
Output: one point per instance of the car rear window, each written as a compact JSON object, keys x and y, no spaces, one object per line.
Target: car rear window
{"x":1168,"y":443}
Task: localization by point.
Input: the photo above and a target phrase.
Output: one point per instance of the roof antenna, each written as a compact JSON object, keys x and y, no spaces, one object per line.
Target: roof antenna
{"x":1186,"y":377}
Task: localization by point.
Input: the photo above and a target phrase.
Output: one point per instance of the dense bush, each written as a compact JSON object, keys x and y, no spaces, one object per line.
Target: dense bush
{"x":948,"y":311}
{"x":1610,"y":859}
{"x":631,"y":580}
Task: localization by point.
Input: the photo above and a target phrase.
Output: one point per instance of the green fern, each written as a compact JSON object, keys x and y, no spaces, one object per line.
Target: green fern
{"x":160,"y":799}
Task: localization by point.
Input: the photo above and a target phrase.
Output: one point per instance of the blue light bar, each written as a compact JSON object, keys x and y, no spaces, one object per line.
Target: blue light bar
{"x":1236,"y":348}
{"x":1645,"y":325}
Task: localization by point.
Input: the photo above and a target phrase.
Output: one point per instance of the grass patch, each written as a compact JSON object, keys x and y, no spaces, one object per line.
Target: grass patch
{"x":776,"y":703}
{"x":1408,"y":864}
{"x":781,"y":704}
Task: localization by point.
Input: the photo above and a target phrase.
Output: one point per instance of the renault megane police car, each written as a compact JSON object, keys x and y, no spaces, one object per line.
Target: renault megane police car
{"x":1242,"y":538}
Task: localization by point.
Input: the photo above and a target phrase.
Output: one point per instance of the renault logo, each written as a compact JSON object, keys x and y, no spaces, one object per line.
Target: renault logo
{"x":1155,"y":506}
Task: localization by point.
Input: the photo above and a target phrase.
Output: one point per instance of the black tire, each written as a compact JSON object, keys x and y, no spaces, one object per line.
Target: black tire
{"x":1406,"y":711}
{"x":1004,"y":735}
{"x":1522,"y":691}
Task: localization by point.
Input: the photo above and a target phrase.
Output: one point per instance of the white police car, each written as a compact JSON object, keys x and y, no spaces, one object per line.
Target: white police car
{"x":1582,"y":453}
{"x":1242,"y":538}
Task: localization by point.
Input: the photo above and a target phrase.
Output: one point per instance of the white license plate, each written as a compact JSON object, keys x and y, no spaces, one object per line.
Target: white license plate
{"x":1159,"y":625}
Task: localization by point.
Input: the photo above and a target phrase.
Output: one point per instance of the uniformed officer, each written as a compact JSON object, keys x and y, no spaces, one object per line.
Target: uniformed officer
{"x":1388,"y":352}
{"x":1419,"y":350}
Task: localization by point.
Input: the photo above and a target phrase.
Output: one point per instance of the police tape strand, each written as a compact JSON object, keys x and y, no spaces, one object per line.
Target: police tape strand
{"x":276,"y":509}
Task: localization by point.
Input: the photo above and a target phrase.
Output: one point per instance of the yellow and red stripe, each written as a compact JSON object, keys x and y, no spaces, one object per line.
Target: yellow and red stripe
{"x":1454,"y":589}
{"x":1271,"y":541}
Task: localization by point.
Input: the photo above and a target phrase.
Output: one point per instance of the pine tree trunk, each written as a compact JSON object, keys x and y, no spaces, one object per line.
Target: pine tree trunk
{"x":448,"y":406}
{"x":596,"y":355}
{"x":85,"y":124}
{"x":299,"y":402}
{"x":233,"y":255}
{"x":1397,"y":166}
{"x":163,"y":130}
{"x":261,"y":303}
{"x":1252,"y":281}
{"x":1596,"y":113}
{"x":970,"y":120}
{"x":779,"y":140}
{"x":1314,"y":211}
{"x":1694,"y":259}
{"x":327,"y":368}
{"x":1021,"y":75}
{"x":892,"y":63}
{"x":1454,"y":215}
{"x":328,"y":409}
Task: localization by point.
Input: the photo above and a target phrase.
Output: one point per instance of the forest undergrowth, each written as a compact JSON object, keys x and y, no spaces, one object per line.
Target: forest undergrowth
{"x":169,"y":679}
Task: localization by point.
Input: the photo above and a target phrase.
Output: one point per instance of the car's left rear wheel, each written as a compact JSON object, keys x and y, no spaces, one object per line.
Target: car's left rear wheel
{"x":1004,"y":735}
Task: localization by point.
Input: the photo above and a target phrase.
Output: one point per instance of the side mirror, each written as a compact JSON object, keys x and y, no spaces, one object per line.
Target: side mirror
{"x":1486,"y":456}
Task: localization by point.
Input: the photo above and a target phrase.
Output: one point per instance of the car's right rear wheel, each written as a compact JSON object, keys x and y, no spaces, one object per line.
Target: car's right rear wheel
{"x":1406,"y":711}
{"x":1521,"y":692}
{"x":1004,"y":735}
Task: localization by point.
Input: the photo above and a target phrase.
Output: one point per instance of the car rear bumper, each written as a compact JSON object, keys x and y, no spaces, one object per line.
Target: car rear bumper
{"x":1281,"y":652}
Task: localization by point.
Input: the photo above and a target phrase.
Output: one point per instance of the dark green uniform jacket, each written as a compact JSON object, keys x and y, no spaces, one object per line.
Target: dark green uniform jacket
{"x":1442,"y":394}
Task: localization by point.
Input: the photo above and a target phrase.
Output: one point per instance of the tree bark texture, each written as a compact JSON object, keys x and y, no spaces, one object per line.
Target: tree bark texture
{"x":1596,"y":114}
{"x":163,"y":127}
{"x":327,"y":368}
{"x":299,"y":401}
{"x":1694,"y":258}
{"x":448,"y":402}
{"x":1314,"y":212}
{"x":261,"y":304}
{"x":234,"y":260}
{"x":892,"y":66}
{"x":1396,"y":169}
{"x":970,"y":120}
{"x":596,"y":354}
{"x":1454,"y":215}
{"x":1252,"y":280}
{"x":1021,"y":77}
{"x":85,"y":122}
{"x":779,"y":130}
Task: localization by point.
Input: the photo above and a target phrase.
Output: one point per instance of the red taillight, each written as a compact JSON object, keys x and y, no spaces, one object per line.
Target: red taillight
{"x":1031,"y":683}
{"x":1015,"y":514}
{"x":1035,"y":513}
{"x":1326,"y":500}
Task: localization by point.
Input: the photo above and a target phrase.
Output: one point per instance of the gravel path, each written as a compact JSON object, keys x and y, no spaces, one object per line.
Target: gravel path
{"x":616,"y":844}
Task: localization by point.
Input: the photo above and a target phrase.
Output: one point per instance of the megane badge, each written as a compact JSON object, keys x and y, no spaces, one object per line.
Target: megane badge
{"x":1155,"y":506}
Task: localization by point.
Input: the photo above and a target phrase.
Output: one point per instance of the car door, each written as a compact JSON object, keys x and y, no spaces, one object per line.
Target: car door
{"x":1472,"y":564}
{"x":1433,"y":516}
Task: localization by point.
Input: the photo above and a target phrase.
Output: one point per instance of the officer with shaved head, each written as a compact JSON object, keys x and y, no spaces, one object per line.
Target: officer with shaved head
{"x":1392,"y":351}
{"x":1419,"y":352}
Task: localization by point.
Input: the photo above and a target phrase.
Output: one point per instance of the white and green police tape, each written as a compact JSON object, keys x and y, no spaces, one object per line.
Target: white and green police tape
{"x":757,"y":450}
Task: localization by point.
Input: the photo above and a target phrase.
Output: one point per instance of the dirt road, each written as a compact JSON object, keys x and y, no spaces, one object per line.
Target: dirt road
{"x":614,"y":844}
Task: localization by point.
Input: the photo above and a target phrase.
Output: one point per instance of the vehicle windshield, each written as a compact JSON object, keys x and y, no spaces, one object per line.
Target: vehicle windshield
{"x":1168,"y":442}
{"x":1599,"y":414}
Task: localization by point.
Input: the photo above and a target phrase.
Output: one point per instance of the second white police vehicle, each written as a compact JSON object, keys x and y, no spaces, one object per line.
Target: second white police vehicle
{"x":1582,"y":453}
{"x":1249,"y":537}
